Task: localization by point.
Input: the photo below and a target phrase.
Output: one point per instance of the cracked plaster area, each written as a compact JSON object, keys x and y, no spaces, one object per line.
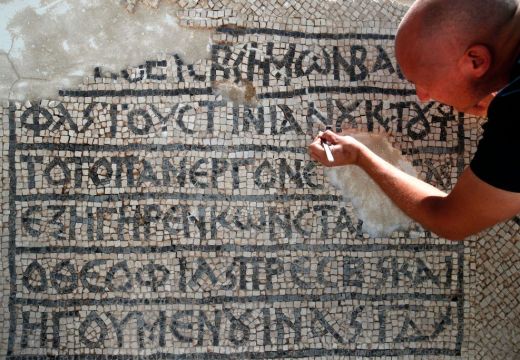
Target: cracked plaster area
{"x":49,"y":45}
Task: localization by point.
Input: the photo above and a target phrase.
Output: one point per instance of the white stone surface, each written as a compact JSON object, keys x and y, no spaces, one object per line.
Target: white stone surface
{"x":7,"y":76}
{"x":56,"y":43}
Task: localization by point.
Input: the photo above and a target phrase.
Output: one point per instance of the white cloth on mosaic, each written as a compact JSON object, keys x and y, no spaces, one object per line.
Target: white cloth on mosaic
{"x":379,"y":214}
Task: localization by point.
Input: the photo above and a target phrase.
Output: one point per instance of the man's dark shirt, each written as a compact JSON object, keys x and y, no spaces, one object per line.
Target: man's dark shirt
{"x":497,"y":160}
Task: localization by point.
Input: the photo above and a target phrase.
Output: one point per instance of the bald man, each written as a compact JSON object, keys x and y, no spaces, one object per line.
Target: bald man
{"x":464,"y":53}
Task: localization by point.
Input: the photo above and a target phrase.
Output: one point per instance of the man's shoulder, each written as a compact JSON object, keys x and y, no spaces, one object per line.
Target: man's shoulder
{"x":506,"y":105}
{"x":512,"y":90}
{"x":496,"y":159}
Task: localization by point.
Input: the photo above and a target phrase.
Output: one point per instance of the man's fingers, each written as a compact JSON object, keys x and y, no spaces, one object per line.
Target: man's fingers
{"x":318,"y":137}
{"x":330,"y":137}
{"x":316,"y":151}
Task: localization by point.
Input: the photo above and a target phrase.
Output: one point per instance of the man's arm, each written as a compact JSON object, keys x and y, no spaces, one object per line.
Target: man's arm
{"x":471,"y":206}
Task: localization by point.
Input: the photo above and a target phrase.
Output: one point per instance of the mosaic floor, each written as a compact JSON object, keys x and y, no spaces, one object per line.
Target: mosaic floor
{"x":170,"y":209}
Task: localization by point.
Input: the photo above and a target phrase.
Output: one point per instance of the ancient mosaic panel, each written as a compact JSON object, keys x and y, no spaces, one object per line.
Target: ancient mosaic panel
{"x":170,"y":210}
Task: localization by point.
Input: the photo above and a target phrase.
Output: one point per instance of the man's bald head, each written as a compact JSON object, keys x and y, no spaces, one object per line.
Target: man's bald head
{"x":458,"y":51}
{"x":458,"y":23}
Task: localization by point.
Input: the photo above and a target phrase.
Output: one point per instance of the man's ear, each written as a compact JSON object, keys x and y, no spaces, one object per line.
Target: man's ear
{"x":476,"y":61}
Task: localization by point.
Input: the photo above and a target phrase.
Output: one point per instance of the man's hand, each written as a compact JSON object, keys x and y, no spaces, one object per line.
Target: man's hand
{"x":344,"y":148}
